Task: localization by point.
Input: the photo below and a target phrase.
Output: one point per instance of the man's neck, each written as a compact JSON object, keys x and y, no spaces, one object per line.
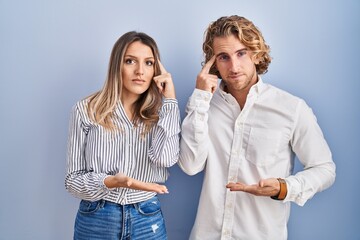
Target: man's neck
{"x":239,"y":95}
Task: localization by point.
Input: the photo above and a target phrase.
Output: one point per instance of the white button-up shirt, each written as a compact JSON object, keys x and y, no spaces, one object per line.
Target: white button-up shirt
{"x":245,"y":145}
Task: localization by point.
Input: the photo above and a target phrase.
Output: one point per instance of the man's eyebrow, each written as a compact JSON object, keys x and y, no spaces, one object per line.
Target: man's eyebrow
{"x":242,"y":49}
{"x":222,"y":53}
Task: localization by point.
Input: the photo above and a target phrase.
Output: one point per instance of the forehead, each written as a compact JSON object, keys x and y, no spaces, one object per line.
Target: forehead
{"x":139,"y":49}
{"x":227,"y":44}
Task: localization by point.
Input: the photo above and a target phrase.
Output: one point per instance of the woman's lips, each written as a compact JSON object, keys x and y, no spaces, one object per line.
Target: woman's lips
{"x":138,"y":81}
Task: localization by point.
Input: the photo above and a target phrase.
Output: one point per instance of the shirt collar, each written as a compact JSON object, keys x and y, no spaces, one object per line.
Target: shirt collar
{"x":256,"y":89}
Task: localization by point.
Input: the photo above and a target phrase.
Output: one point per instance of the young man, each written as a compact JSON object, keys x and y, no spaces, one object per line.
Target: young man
{"x":245,"y":134}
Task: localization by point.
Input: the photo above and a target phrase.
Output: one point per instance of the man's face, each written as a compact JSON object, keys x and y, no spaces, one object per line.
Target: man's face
{"x":234,"y":63}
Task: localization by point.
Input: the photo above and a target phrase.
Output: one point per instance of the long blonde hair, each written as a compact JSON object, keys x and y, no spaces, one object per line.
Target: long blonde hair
{"x":246,"y":32}
{"x":102,"y":103}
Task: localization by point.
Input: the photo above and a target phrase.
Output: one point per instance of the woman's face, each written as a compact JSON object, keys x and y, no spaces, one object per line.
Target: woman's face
{"x":137,"y":70}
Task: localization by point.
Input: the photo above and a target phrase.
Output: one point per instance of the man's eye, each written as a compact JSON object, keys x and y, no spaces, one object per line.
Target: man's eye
{"x":223,"y":58}
{"x":242,"y":53}
{"x":149,"y":63}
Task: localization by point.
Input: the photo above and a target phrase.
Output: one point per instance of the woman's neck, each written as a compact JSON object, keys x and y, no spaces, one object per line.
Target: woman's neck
{"x":128,"y":103}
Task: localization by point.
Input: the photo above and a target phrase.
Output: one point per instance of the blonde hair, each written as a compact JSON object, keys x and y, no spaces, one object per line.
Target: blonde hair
{"x":247,"y":33}
{"x":102,"y":103}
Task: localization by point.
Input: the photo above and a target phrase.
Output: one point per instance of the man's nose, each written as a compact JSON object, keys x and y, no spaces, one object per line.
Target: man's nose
{"x":234,"y":65}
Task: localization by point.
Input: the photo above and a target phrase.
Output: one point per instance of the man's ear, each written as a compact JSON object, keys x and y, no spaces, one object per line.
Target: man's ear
{"x":255,"y":59}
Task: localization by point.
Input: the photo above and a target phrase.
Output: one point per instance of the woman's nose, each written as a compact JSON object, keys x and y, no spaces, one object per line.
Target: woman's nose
{"x":140,"y":70}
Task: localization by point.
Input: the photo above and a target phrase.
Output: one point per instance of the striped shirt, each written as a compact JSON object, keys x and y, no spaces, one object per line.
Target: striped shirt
{"x":95,"y":153}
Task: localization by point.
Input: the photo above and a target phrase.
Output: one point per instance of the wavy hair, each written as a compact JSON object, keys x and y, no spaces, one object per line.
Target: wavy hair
{"x":247,"y":33}
{"x":102,"y":104}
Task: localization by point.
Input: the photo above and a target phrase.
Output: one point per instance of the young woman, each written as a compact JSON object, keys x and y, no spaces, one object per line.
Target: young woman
{"x":121,"y":141}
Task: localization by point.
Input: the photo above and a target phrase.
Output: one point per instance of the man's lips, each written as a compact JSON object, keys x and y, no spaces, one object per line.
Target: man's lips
{"x":235,"y":76}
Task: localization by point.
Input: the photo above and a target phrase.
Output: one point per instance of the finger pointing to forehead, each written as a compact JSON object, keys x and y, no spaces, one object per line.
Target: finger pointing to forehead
{"x":208,"y":65}
{"x":162,"y":69}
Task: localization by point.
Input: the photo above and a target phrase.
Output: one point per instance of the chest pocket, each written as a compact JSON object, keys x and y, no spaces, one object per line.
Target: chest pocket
{"x":263,"y":146}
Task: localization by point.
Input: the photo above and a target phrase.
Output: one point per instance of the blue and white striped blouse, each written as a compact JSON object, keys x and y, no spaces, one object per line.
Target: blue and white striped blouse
{"x":94,"y":153}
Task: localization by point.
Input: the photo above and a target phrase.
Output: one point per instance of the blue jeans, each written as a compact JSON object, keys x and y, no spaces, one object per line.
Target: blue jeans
{"x":106,"y":220}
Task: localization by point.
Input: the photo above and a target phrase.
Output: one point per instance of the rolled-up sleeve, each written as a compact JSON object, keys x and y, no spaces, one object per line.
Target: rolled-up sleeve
{"x":194,"y":144}
{"x":164,"y":150}
{"x":313,"y":152}
{"x":81,"y":182}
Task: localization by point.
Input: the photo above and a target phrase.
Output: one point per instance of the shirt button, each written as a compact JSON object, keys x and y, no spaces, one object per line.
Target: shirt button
{"x":226,"y":233}
{"x":201,"y":118}
{"x":232,"y":179}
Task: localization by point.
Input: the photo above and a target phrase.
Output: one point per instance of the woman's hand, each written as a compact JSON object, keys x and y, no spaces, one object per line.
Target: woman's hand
{"x":164,"y":82}
{"x":121,"y":180}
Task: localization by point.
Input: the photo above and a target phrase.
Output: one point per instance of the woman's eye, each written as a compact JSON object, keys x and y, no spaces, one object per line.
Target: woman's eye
{"x":129,"y":61}
{"x":149,"y":63}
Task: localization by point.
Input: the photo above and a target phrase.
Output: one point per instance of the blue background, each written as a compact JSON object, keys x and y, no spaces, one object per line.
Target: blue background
{"x":53,"y":53}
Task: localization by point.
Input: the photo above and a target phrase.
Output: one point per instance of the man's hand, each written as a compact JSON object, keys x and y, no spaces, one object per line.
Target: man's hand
{"x":205,"y":81}
{"x":266,"y":187}
{"x":164,"y":83}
